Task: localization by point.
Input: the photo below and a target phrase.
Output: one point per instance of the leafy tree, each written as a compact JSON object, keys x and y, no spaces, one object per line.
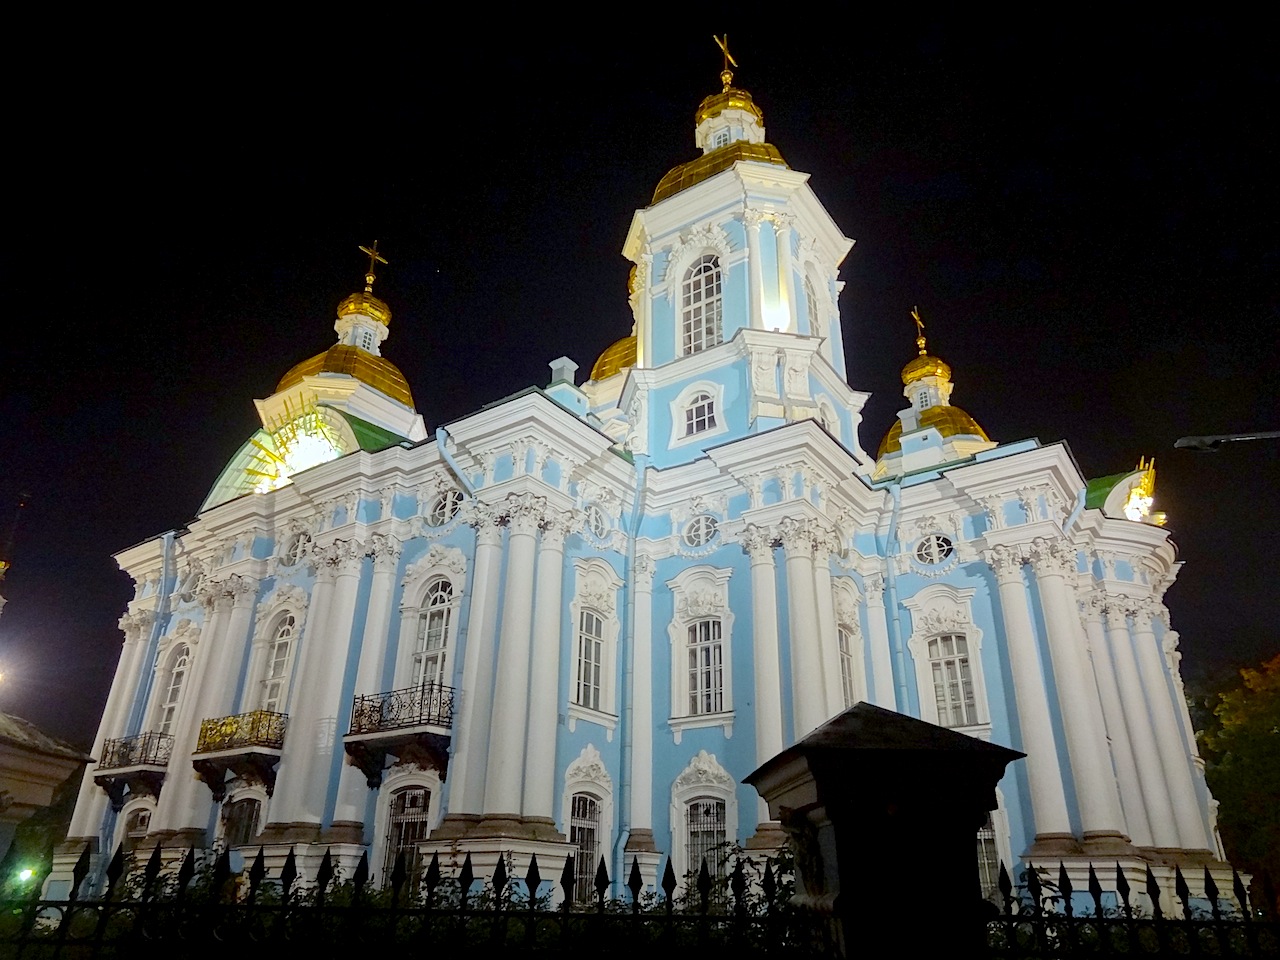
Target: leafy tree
{"x":1241,"y":747}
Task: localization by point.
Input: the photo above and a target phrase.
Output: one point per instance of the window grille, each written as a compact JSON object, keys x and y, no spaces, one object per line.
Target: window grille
{"x":700,"y":531}
{"x":275,"y":681}
{"x":241,"y":822}
{"x":847,"y":666}
{"x":705,"y":839}
{"x":700,"y":300}
{"x":952,"y":681}
{"x":444,"y":508}
{"x":988,"y":860}
{"x":590,"y":660}
{"x":934,"y":549}
{"x":719,"y":139}
{"x":407,"y":826}
{"x":433,"y":634}
{"x":700,"y":415}
{"x":584,"y":834}
{"x":706,"y":668}
{"x":596,"y":522}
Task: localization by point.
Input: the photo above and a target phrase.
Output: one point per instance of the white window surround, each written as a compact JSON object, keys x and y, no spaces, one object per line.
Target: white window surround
{"x":285,"y":601}
{"x":700,"y":593}
{"x":682,"y":403}
{"x":938,"y":610}
{"x":596,"y":586}
{"x":239,"y":790}
{"x":848,"y":619}
{"x":132,"y":806}
{"x":828,"y":417}
{"x":587,"y":774}
{"x":400,"y":777}
{"x":167,"y":698}
{"x":439,"y":563}
{"x":704,"y":777}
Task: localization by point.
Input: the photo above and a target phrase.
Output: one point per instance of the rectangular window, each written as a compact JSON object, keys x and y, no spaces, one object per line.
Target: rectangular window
{"x":590,"y":660}
{"x":846,"y":666}
{"x":407,"y":827}
{"x":988,"y":860}
{"x":706,"y":836}
{"x":584,"y":834}
{"x":952,"y":681}
{"x":706,"y":668}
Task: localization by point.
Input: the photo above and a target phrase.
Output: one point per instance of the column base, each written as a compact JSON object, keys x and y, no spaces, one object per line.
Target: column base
{"x":297,"y":832}
{"x":182,"y":839}
{"x":344,"y":831}
{"x":1053,"y":845}
{"x":515,"y":826}
{"x":769,"y":838}
{"x":642,"y":851}
{"x":1111,"y":845}
{"x":640,"y":840}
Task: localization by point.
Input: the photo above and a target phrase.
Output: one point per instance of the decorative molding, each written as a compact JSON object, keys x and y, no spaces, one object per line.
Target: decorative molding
{"x":1053,"y":557}
{"x":1006,"y":562}
{"x":284,"y":597}
{"x":704,"y":770}
{"x":589,"y":768}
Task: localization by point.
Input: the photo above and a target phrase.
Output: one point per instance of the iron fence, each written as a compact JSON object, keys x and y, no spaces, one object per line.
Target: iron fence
{"x":152,"y":749}
{"x":258,"y":728}
{"x":427,"y":703}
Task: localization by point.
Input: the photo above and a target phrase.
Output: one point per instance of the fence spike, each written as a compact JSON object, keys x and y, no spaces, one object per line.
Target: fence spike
{"x":532,"y":880}
{"x":1183,"y":891}
{"x":567,"y":880}
{"x":433,"y":877}
{"x":1006,"y":889}
{"x":500,"y":877}
{"x":669,"y":884}
{"x":1211,"y":894}
{"x":1153,"y":893}
{"x":465,"y":879}
{"x":114,"y":869}
{"x":325,"y":873}
{"x":288,"y":874}
{"x":738,"y":884}
{"x":256,"y":874}
{"x":769,"y":884}
{"x":1242,"y":895}
{"x":601,"y":883}
{"x":151,"y":872}
{"x":1034,"y":888}
{"x":1122,"y":888}
{"x":704,"y":886}
{"x":398,"y":873}
{"x":1064,"y":887}
{"x":361,"y":877}
{"x":186,"y":870}
{"x":79,"y":872}
{"x":221,"y":873}
{"x":635,"y":883}
{"x":1095,"y":891}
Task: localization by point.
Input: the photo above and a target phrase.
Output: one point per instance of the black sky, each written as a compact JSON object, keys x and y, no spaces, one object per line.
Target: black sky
{"x":1085,"y":213}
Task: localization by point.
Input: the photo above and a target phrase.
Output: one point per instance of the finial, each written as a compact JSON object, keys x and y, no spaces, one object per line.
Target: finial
{"x":726,"y":75}
{"x":915,"y":314}
{"x":374,"y":258}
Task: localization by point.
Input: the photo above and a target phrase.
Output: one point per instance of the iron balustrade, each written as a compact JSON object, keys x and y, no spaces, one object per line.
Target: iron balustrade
{"x":426,"y":704}
{"x":144,"y":749}
{"x":257,"y":728}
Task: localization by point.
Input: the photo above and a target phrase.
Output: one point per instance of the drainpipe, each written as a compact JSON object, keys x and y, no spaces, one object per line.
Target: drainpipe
{"x":1075,"y":513}
{"x":891,"y":583}
{"x":442,"y":436}
{"x":629,"y":619}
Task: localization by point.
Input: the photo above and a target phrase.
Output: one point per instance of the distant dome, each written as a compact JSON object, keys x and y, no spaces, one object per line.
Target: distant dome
{"x":617,"y":357}
{"x":923,"y":366}
{"x":377,"y":372}
{"x":948,"y":421}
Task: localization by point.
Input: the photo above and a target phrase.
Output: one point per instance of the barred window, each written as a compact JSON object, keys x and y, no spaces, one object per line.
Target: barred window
{"x":988,"y":860}
{"x":952,"y":680}
{"x":700,"y":305}
{"x":430,"y":652}
{"x":590,"y":660}
{"x":407,"y":826}
{"x":706,"y":836}
{"x":706,"y":667}
{"x":584,"y":834}
{"x":700,"y":415}
{"x":241,"y":821}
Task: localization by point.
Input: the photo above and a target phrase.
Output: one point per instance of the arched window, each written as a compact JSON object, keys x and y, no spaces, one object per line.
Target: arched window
{"x":700,"y":415}
{"x":952,"y":680}
{"x":240,"y":821}
{"x":847,"y":666}
{"x":275,"y":674}
{"x":407,"y":826}
{"x":431,"y":649}
{"x":816,"y":328}
{"x":706,"y":836}
{"x":167,"y":714}
{"x":704,"y":816}
{"x":584,"y":834}
{"x":700,"y":305}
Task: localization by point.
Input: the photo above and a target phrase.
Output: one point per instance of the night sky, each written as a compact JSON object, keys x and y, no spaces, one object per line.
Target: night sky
{"x":1085,"y":213}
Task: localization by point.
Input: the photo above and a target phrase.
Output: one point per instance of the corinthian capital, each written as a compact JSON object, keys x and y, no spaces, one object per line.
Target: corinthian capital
{"x":1144,"y":614}
{"x":1005,"y":562}
{"x":385,"y":551}
{"x":555,"y":524}
{"x":525,"y":512}
{"x":1053,"y":557}
{"x":642,"y":571}
{"x":757,"y":543}
{"x":485,"y":519}
{"x":796,"y":537}
{"x":243,"y":590}
{"x":753,"y":218}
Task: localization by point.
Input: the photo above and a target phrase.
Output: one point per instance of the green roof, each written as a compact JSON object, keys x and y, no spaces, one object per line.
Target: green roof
{"x":1097,"y":491}
{"x":370,"y":436}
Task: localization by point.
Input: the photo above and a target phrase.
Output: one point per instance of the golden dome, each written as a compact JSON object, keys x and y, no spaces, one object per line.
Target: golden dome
{"x":709,"y":164}
{"x":368,"y":305}
{"x":377,"y":372}
{"x":948,"y":421}
{"x":731,"y":98}
{"x":617,"y":357}
{"x":923,"y":366}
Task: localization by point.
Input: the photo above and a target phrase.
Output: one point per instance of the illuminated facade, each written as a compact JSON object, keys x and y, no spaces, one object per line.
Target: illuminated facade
{"x":573,"y":621}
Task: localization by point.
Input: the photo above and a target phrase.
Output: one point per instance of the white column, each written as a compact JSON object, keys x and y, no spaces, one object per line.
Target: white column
{"x":881,"y":687}
{"x":470,"y":738}
{"x":807,"y":700}
{"x":1174,"y":757}
{"x":833,"y":681}
{"x":765,"y":662}
{"x":1122,"y":759}
{"x":544,"y":674}
{"x":755,"y":276}
{"x":1096,"y":795}
{"x":1155,"y":795}
{"x":642,"y":698}
{"x":505,"y":769}
{"x":786,"y":282}
{"x":1048,"y":801}
{"x":353,"y":790}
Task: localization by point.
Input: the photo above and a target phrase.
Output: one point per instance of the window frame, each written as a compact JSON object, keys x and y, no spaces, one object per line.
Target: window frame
{"x":178,"y":658}
{"x":681,"y":406}
{"x":691,"y":314}
{"x":596,"y":586}
{"x":700,"y":595}
{"x":939,"y":610}
{"x":438,"y":566}
{"x":703,"y":779}
{"x":402,"y":776}
{"x":587,"y":775}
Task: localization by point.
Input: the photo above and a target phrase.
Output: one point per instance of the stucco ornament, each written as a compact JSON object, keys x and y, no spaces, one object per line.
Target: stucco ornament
{"x":704,"y":770}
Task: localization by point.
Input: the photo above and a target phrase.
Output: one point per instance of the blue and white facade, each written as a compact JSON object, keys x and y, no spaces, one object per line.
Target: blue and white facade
{"x":580,"y":616}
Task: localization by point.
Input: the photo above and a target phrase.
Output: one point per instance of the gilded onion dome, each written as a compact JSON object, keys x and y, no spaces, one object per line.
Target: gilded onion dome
{"x":617,"y":357}
{"x":949,"y":421}
{"x":378,"y":372}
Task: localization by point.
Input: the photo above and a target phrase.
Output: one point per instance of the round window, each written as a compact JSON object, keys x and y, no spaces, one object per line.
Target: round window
{"x":298,"y":548}
{"x":596,"y":522}
{"x":444,"y":508}
{"x":934,"y":549}
{"x":701,"y":530}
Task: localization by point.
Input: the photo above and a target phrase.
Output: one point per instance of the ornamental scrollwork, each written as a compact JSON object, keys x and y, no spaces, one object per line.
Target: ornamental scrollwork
{"x":704,"y":770}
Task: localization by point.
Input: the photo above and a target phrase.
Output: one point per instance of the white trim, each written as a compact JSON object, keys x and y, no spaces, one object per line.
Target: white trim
{"x":702,"y":777}
{"x":848,"y":616}
{"x":938,"y":610}
{"x":438,"y":563}
{"x":131,"y":805}
{"x":400,"y":777}
{"x":596,"y":586}
{"x":587,"y":774}
{"x":680,"y":405}
{"x":239,"y":790}
{"x":700,"y":593}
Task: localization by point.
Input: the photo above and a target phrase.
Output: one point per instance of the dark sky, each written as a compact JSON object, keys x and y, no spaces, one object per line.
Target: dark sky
{"x":1086,"y":214}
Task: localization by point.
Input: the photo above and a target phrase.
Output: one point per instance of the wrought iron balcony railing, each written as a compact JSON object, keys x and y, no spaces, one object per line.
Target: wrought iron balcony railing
{"x":144,"y":749}
{"x":428,"y":704}
{"x":258,"y":728}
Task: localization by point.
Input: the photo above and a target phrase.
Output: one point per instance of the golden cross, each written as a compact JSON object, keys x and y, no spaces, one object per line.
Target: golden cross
{"x":915,"y":315}
{"x":374,"y":258}
{"x":726,"y":77}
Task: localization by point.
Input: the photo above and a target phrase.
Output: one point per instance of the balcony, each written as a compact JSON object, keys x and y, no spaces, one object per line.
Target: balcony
{"x":137,"y":763}
{"x":247,"y":744}
{"x":410,"y":724}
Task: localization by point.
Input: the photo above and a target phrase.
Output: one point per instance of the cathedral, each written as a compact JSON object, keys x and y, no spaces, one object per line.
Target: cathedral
{"x":572,"y":622}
